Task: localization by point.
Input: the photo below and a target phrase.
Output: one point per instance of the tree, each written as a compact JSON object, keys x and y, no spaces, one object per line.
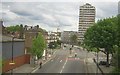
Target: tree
{"x":116,"y":60}
{"x":116,"y":57}
{"x":38,"y":46}
{"x":116,"y":48}
{"x":0,"y":62}
{"x":73,"y":38}
{"x":13,"y":28}
{"x":118,"y":36}
{"x":59,"y":42}
{"x":37,"y":26}
{"x":17,"y":28}
{"x":101,"y":35}
{"x":52,"y":45}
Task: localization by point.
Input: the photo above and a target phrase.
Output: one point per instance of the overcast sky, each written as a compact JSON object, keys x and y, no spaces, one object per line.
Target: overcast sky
{"x":50,"y":15}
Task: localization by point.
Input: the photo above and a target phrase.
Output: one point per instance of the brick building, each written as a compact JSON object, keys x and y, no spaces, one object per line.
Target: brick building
{"x":30,"y":33}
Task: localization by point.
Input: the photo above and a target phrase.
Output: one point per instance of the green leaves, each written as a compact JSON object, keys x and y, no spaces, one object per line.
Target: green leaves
{"x":102,"y":34}
{"x":52,"y":45}
{"x":38,"y":45}
{"x":0,"y":63}
{"x":73,"y":38}
{"x":13,"y":28}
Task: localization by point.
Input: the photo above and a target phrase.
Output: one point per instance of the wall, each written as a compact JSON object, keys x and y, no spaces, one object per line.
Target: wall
{"x":18,"y":49}
{"x":29,"y":36}
{"x":19,"y":56}
{"x":20,"y":60}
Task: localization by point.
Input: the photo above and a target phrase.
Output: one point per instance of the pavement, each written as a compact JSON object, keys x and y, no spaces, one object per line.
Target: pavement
{"x":30,"y":68}
{"x":92,"y":68}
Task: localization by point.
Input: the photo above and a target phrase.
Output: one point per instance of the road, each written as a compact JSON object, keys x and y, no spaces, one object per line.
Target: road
{"x":63,"y":62}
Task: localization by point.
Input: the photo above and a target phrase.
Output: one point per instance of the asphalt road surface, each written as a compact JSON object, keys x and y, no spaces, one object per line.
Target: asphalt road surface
{"x":63,"y":62}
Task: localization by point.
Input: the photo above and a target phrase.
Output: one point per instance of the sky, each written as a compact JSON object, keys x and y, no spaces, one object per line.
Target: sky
{"x":53,"y":14}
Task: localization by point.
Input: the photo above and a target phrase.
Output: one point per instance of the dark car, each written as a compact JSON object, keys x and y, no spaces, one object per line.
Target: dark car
{"x":64,"y":46}
{"x":102,"y":63}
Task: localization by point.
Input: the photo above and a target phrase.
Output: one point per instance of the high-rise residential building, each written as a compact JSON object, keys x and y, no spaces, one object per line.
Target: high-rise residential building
{"x":86,"y":19}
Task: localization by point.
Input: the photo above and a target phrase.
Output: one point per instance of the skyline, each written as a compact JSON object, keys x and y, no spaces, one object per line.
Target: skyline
{"x":50,"y":15}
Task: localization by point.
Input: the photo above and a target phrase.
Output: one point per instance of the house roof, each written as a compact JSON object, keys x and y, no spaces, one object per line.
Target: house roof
{"x":4,"y":38}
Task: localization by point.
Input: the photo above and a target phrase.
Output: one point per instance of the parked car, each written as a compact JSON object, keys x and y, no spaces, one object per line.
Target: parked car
{"x":102,"y":63}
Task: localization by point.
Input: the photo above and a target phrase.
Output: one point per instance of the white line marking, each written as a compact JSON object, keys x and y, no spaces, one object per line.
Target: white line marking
{"x":43,"y":64}
{"x":51,"y":60}
{"x":35,"y":70}
{"x":84,"y":61}
{"x":55,"y":52}
{"x":60,"y":60}
{"x":63,"y":66}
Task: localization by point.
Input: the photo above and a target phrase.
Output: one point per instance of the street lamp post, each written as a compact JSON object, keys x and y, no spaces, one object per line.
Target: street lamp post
{"x":12,"y":52}
{"x":50,"y":42}
{"x":97,"y":64}
{"x":12,"y":62}
{"x":53,"y":46}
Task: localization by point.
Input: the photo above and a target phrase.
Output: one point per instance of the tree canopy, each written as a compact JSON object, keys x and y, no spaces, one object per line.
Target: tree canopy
{"x":102,"y":34}
{"x":38,"y":46}
{"x":73,"y":38}
{"x":13,"y":28}
{"x":116,"y":57}
{"x":52,"y":45}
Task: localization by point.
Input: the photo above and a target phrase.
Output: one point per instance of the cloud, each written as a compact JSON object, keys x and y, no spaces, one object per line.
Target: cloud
{"x":60,"y":0}
{"x":119,"y":7}
{"x":106,"y":9}
{"x":50,"y":15}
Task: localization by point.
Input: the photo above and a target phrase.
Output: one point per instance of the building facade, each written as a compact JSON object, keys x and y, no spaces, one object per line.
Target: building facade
{"x":66,"y":35}
{"x":86,"y":19}
{"x":31,"y":32}
{"x":1,"y":26}
{"x":29,"y":36}
{"x":52,"y":37}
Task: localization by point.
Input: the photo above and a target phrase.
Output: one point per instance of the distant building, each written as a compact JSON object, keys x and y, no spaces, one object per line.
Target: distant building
{"x":52,"y":37}
{"x":30,"y":33}
{"x":86,"y":19}
{"x":66,"y":35}
{"x":19,"y":56}
{"x":2,"y":28}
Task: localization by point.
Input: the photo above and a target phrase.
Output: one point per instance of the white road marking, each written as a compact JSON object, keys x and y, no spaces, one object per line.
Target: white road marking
{"x":84,"y":61}
{"x":63,"y":66}
{"x":76,"y":58}
{"x":54,"y":52}
{"x":51,"y":60}
{"x":43,"y":64}
{"x":60,"y":60}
